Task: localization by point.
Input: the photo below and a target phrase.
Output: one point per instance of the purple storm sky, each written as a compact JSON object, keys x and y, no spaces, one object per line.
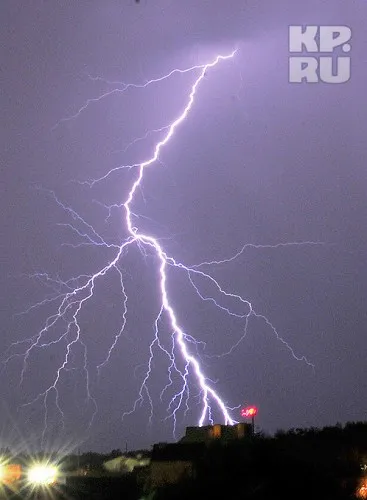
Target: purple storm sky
{"x":257,"y":161}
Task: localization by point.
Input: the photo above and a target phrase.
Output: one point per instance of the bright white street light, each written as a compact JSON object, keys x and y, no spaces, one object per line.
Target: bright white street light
{"x":42,"y":474}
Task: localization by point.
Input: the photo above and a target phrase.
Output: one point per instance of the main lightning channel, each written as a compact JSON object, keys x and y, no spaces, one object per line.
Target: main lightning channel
{"x":208,"y":393}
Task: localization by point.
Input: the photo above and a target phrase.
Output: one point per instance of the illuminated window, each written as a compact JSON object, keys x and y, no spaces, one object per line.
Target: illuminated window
{"x":217,"y":431}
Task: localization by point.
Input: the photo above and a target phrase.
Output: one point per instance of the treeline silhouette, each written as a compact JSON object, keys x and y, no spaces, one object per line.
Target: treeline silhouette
{"x":298,"y":464}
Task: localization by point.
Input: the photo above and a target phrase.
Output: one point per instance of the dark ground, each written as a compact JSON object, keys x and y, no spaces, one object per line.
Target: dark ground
{"x":312,"y":464}
{"x":83,"y":489}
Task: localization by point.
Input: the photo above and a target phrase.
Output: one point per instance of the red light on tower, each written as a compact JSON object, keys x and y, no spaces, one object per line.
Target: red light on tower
{"x":250,"y":412}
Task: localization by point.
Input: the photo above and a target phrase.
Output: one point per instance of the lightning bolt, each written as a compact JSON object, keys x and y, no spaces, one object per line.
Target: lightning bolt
{"x":72,"y":296}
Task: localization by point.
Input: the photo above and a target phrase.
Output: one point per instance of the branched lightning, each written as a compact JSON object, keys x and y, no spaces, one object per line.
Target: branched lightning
{"x":123,"y":87}
{"x":73,"y":295}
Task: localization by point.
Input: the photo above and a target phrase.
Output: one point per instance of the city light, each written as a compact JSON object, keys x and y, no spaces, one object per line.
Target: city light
{"x":10,"y":472}
{"x":362,"y":491}
{"x":42,"y":475}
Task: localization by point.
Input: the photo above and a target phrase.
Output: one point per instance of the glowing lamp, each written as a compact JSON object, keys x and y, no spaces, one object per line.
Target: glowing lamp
{"x":42,"y":475}
{"x":362,"y":491}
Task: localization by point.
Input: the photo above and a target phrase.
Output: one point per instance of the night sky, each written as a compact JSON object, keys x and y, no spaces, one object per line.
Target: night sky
{"x":257,"y":161}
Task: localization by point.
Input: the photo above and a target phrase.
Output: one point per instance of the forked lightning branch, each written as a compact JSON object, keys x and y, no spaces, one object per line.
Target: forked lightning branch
{"x":182,"y":359}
